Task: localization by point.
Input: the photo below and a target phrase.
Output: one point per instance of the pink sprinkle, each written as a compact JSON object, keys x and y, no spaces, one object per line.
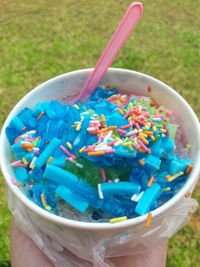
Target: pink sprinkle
{"x":111,"y":143}
{"x":144,"y":108}
{"x":142,"y":145}
{"x":146,"y":114}
{"x":13,"y":180}
{"x":121,"y":131}
{"x":100,"y":137}
{"x":103,"y":175}
{"x":91,"y":147}
{"x":137,"y":126}
{"x":133,"y":136}
{"x":19,"y":165}
{"x":88,"y":150}
{"x":36,"y":152}
{"x":110,"y":151}
{"x":67,"y":152}
{"x":110,"y":181}
{"x":126,"y":126}
{"x":128,"y":113}
{"x":157,"y":116}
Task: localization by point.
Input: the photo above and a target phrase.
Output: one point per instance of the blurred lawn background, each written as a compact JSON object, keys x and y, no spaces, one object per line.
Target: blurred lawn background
{"x":41,"y":39}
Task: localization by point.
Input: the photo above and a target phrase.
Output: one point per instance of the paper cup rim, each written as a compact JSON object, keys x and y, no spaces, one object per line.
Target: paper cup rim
{"x":96,"y":226}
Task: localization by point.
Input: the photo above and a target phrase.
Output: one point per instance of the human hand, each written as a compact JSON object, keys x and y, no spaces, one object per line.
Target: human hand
{"x":24,"y":253}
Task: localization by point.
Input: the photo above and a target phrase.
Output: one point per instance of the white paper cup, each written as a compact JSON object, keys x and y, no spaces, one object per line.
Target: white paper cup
{"x":85,"y":239}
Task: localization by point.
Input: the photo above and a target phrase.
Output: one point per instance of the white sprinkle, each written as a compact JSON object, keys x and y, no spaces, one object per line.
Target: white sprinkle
{"x":116,"y":180}
{"x":132,"y":132}
{"x":101,"y":148}
{"x":156,"y":119}
{"x":163,"y":135}
{"x":90,"y":129}
{"x":72,"y":160}
{"x":16,"y":162}
{"x":108,"y":135}
{"x":101,"y":144}
{"x":100,"y":191}
{"x":32,"y":166}
{"x":83,"y":113}
{"x":25,"y":142}
{"x":36,"y":149}
{"x":134,"y":197}
{"x":79,"y":165}
{"x":31,"y":132}
{"x":139,"y":196}
{"x":120,"y":142}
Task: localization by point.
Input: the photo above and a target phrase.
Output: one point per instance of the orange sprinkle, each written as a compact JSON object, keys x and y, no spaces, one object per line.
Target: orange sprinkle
{"x":149,"y":218}
{"x":188,"y":169}
{"x":73,"y":125}
{"x":103,"y":117}
{"x":40,"y":115}
{"x":28,"y":147}
{"x":151,"y":180}
{"x":141,"y":162}
{"x":144,"y":140}
{"x":107,"y":129}
{"x":149,"y":151}
{"x":148,"y":132}
{"x":96,"y":153}
{"x":43,"y":200}
{"x":188,"y":195}
{"x":149,"y":89}
{"x":18,"y":185}
{"x":167,"y":177}
{"x":121,"y":111}
{"x":112,"y":127}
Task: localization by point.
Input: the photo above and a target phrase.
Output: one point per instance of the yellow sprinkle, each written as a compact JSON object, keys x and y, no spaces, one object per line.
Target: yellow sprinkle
{"x":152,"y":137}
{"x":163,"y":130}
{"x":25,"y":161}
{"x":166,"y":189}
{"x":69,"y":145}
{"x":148,"y":221}
{"x":47,"y":207}
{"x":76,"y":106}
{"x":103,"y":117}
{"x":43,"y":200}
{"x":119,"y":219}
{"x":154,"y":128}
{"x":130,"y":148}
{"x":49,"y":160}
{"x":171,"y":178}
{"x":143,"y":135}
{"x":82,"y":149}
{"x":78,"y":127}
{"x":127,"y":144}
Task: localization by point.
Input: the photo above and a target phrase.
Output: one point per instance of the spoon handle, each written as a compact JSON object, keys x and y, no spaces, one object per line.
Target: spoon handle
{"x":125,"y":27}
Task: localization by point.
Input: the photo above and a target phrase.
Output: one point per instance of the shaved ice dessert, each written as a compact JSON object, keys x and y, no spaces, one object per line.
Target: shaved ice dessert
{"x":111,"y":158}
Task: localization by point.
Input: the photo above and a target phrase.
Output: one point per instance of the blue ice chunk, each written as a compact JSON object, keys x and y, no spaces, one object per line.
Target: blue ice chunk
{"x":149,"y":197}
{"x":12,"y":133}
{"x":17,"y":123}
{"x":27,"y":117}
{"x":178,"y":165}
{"x":102,"y":107}
{"x":58,"y":108}
{"x":38,"y":108}
{"x":120,"y":188}
{"x":49,"y":111}
{"x":37,"y":174}
{"x":37,"y":191}
{"x":125,"y":152}
{"x":89,"y":193}
{"x":136,"y":174}
{"x":157,"y":151}
{"x":48,"y":152}
{"x":60,"y":176}
{"x":116,"y":118}
{"x":29,"y":156}
{"x":72,"y":198}
{"x":167,"y":145}
{"x":42,"y":125}
{"x":71,"y":115}
{"x":19,"y":151}
{"x":21,"y":174}
{"x":152,"y":163}
{"x":101,"y":93}
{"x":59,"y":161}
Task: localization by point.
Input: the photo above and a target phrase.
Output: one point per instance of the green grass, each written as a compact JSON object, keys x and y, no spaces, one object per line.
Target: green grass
{"x":41,"y":39}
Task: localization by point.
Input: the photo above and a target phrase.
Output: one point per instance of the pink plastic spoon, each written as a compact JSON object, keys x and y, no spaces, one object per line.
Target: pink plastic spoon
{"x":125,"y":27}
